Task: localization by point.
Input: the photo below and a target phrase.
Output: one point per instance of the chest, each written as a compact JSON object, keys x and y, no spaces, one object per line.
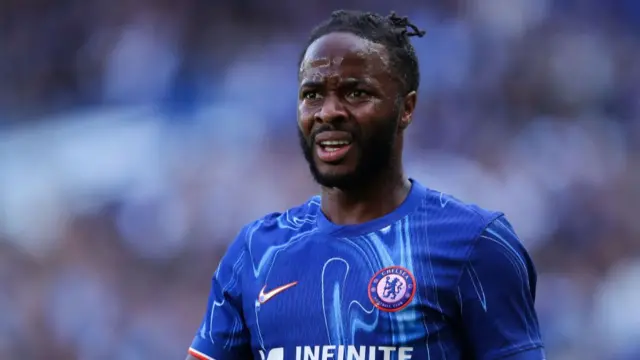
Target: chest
{"x":348,"y":291}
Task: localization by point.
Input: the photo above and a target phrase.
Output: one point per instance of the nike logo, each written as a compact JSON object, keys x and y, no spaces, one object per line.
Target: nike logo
{"x":263,"y":297}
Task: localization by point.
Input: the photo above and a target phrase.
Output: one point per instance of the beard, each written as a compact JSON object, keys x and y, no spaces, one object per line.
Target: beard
{"x":375,"y":154}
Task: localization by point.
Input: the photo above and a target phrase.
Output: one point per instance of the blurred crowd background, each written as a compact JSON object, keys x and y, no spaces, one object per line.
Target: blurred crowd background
{"x":138,"y":136}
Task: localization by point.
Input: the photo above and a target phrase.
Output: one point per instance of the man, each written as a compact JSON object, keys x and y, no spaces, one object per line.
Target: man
{"x":377,"y":267}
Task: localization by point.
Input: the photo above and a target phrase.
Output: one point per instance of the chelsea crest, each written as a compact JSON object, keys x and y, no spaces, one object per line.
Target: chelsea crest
{"x":392,"y":288}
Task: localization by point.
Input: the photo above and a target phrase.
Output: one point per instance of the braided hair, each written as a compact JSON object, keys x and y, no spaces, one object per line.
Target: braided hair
{"x":392,"y":31}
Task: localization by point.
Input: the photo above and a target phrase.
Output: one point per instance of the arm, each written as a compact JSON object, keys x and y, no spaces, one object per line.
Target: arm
{"x":496,"y":297}
{"x":223,"y":334}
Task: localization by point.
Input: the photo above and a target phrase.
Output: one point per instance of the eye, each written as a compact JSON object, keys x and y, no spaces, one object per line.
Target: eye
{"x":310,"y":95}
{"x":357,"y":94}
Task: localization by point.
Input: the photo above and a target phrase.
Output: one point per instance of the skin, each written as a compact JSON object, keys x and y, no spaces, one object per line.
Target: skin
{"x":347,"y":84}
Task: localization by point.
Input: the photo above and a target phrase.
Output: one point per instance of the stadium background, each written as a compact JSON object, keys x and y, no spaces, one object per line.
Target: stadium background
{"x":137,"y":136}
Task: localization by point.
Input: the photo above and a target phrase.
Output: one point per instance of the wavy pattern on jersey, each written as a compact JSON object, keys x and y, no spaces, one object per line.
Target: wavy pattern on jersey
{"x":453,"y":261}
{"x":268,"y":258}
{"x":333,"y":280}
{"x":498,"y":232}
{"x":344,"y":319}
{"x":427,"y":268}
{"x":228,"y":281}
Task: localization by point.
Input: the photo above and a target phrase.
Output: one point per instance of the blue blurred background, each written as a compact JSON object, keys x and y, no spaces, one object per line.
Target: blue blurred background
{"x":137,"y":136}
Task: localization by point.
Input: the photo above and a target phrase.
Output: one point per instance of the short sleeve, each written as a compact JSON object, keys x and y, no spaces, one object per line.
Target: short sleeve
{"x":496,"y":297}
{"x":223,"y":334}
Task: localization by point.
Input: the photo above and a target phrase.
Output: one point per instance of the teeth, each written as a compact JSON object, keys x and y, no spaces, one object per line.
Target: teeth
{"x":334,"y":143}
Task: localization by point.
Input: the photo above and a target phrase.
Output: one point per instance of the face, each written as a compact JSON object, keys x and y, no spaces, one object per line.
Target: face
{"x":350,"y":112}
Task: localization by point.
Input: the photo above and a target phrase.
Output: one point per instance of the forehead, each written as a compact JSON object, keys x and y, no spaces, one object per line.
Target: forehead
{"x":344,"y":54}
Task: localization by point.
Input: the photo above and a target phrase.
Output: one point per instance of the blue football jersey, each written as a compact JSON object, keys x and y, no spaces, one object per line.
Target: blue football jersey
{"x":435,"y":279}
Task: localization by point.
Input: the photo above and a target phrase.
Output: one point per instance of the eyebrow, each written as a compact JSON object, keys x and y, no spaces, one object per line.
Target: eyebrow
{"x":347,"y":82}
{"x":311,"y":84}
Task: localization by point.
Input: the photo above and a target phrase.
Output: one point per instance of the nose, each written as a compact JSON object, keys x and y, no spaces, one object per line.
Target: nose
{"x":332,"y":110}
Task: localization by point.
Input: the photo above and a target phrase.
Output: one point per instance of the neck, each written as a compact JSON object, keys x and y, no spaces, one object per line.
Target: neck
{"x":368,"y":202}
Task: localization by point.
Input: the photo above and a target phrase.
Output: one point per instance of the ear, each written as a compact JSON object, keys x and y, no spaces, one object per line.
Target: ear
{"x":409,"y":105}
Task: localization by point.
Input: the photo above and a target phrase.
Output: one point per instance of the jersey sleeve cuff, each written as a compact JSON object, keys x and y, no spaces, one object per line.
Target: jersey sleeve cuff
{"x":201,"y":349}
{"x":199,"y":354}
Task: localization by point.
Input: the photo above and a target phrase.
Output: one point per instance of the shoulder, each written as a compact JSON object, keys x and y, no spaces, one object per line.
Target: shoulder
{"x":452,"y":207}
{"x":456,"y":227}
{"x":277,"y":228}
{"x":481,"y":238}
{"x":489,"y":240}
{"x":465,"y":219}
{"x":499,"y":241}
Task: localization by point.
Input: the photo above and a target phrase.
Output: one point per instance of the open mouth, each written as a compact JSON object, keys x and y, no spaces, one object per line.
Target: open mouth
{"x":332,"y":151}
